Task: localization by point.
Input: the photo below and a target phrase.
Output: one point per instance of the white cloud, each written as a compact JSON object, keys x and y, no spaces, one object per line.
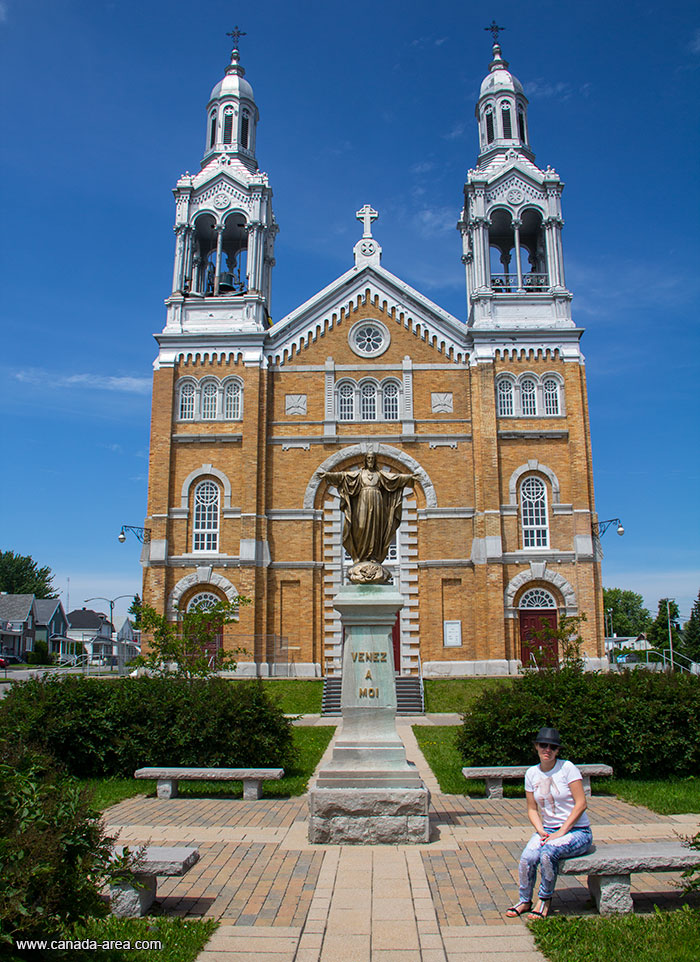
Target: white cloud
{"x":695,"y":42}
{"x":3,"y":11}
{"x":99,"y":382}
{"x":423,"y":167}
{"x":436,"y":220}
{"x":546,"y":89}
{"x":457,"y":132}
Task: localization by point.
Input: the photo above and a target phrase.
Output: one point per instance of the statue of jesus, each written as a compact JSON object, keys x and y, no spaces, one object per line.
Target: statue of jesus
{"x":370,"y":500}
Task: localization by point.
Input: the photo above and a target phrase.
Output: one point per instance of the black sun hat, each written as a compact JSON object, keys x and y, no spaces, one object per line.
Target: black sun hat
{"x":549,"y":736}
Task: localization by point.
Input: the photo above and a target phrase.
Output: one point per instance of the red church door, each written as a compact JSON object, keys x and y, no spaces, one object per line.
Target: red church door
{"x":534,"y":651}
{"x":396,"y":642}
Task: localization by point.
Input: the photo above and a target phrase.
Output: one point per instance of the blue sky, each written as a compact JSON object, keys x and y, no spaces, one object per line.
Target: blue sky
{"x":103,"y":106}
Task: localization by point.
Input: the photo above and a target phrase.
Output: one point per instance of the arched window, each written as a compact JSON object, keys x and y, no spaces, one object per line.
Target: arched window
{"x":245,"y":127}
{"x":489,"y":125}
{"x":537,"y":598}
{"x":521,"y":126}
{"x":551,"y":396}
{"x":212,"y":130}
{"x":505,"y":398}
{"x":228,"y":125}
{"x":390,"y":401}
{"x":528,"y":396}
{"x":232,"y":401}
{"x":206,"y":517}
{"x":203,"y":601}
{"x":210,"y":391}
{"x":368,"y":402}
{"x":186,"y":406}
{"x":507,"y":125}
{"x":346,"y":402}
{"x":533,"y":507}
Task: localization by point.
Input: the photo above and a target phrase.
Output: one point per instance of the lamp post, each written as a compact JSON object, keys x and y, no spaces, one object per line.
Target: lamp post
{"x":670,"y":633}
{"x":120,"y":649}
{"x":143,"y":534}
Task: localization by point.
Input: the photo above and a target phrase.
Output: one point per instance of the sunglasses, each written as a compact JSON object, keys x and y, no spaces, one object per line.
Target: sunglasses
{"x":546,"y":745}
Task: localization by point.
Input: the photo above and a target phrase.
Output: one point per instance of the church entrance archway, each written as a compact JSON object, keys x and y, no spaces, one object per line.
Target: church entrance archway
{"x":537,"y":610}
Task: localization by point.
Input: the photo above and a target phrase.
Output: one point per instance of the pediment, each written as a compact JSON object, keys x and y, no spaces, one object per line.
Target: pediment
{"x":403,"y":306}
{"x":515,"y":186}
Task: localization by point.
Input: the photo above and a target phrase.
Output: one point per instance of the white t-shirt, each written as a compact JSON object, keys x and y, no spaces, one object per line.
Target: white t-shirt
{"x":552,"y":793}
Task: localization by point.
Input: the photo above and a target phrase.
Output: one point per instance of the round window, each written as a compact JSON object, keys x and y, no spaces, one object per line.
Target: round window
{"x":369,"y":338}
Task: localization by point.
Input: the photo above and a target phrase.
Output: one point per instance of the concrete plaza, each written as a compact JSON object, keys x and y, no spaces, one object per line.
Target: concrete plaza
{"x":281,"y":899}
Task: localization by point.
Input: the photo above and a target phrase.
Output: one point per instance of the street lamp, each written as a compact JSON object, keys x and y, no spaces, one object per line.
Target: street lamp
{"x":110,"y":602}
{"x":143,"y":534}
{"x":600,"y":527}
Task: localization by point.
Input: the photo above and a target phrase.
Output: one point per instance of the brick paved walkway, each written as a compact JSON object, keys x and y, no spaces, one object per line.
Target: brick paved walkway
{"x":281,"y":899}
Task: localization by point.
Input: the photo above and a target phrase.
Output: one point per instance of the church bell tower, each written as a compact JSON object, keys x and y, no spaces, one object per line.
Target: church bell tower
{"x":511,"y":224}
{"x":224,"y":227}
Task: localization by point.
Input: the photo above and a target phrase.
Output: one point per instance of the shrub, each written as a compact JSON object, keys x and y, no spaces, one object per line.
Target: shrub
{"x":643,"y":724}
{"x":40,"y":655}
{"x":106,"y":727}
{"x":53,"y":851}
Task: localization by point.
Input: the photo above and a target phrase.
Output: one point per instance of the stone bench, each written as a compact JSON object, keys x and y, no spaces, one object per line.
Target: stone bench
{"x":608,"y":868}
{"x":168,"y":778}
{"x":494,"y":775}
{"x":133,"y":897}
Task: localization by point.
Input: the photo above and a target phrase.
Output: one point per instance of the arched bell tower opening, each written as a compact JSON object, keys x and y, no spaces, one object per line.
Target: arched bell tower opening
{"x":517,"y":251}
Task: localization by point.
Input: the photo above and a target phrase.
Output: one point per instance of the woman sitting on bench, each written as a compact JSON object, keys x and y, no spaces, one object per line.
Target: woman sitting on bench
{"x":556,"y":808}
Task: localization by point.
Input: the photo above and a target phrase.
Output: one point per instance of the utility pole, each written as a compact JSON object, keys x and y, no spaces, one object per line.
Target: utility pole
{"x":670,"y":633}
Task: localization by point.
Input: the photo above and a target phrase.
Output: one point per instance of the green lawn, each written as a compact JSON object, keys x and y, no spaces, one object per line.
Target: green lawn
{"x":662,"y":937}
{"x":310,"y":743}
{"x":182,"y":940}
{"x":296,"y":696}
{"x":673,"y":796}
{"x":457,"y":694}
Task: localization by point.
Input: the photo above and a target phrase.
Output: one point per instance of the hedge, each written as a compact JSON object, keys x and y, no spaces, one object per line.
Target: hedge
{"x":644,"y":724}
{"x":108,"y":727}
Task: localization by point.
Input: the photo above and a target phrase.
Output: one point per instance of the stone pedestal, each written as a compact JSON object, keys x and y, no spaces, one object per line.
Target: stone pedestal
{"x":368,"y":793}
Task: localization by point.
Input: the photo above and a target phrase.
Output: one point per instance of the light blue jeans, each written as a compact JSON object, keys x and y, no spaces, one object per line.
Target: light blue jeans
{"x":548,"y":856}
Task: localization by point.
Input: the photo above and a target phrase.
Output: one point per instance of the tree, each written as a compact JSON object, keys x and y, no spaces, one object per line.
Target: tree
{"x":626,"y":611}
{"x":658,"y":633}
{"x":20,"y":575}
{"x":691,"y":632}
{"x":190,"y":647}
{"x":135,"y":610}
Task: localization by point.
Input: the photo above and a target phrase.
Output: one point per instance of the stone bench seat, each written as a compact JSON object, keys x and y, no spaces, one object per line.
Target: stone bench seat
{"x":608,"y":868}
{"x":168,"y":777}
{"x":494,"y":776}
{"x":133,"y":897}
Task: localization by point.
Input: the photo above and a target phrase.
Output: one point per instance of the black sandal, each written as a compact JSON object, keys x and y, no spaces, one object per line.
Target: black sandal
{"x":513,"y":913}
{"x":535,"y":914}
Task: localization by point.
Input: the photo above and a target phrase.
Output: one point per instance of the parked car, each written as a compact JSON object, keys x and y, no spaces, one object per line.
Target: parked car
{"x":10,"y":660}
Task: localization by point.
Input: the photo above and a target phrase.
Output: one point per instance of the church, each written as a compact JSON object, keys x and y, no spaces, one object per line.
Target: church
{"x":489,"y":412}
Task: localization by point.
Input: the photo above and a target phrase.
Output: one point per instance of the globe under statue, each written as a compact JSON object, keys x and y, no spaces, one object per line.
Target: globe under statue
{"x":370,"y":500}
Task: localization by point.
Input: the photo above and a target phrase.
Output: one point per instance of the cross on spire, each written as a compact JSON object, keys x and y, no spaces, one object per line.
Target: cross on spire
{"x":367,"y":214}
{"x":236,"y":35}
{"x":494,"y":30}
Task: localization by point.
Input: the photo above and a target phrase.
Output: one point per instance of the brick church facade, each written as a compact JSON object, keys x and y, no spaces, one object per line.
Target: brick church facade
{"x":490,"y":412}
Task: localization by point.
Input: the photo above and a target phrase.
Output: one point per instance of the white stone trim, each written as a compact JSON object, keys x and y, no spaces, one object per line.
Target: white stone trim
{"x":532,"y":465}
{"x":463,"y":669}
{"x":203,"y":576}
{"x":539,"y":572}
{"x":198,"y":473}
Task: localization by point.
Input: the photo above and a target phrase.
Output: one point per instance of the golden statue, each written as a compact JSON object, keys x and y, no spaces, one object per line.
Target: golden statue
{"x":370,"y":500}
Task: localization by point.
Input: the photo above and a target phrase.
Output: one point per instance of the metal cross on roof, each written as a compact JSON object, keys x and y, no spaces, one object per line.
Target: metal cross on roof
{"x":236,"y":34}
{"x":494,"y":30}
{"x":367,"y":214}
